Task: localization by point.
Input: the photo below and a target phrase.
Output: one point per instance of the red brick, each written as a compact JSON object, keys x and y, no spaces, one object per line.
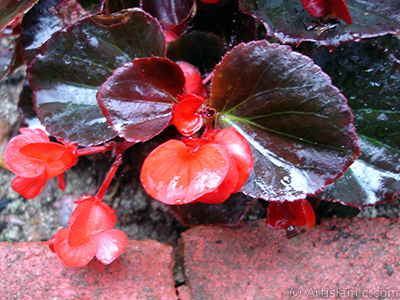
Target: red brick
{"x":32,"y":271}
{"x":340,"y":259}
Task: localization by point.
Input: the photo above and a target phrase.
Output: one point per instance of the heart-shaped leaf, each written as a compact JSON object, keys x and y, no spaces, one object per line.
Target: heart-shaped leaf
{"x":298,"y":124}
{"x":76,"y":61}
{"x":137,"y":99}
{"x":370,"y":78}
{"x":289,"y":22}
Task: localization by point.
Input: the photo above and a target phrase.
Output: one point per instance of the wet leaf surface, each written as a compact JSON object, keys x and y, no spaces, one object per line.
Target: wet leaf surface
{"x":288,"y":21}
{"x":137,"y":99}
{"x":370,"y":78}
{"x":298,"y":124}
{"x":76,"y":61}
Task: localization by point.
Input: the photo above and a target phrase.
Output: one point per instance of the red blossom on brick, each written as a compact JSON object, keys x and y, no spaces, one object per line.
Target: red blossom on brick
{"x":205,"y":169}
{"x":321,"y":8}
{"x":35,"y":159}
{"x":281,"y":215}
{"x":89,"y":234}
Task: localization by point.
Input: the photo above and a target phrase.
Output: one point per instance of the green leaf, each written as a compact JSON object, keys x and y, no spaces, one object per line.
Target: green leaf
{"x":298,"y":124}
{"x":77,"y":60}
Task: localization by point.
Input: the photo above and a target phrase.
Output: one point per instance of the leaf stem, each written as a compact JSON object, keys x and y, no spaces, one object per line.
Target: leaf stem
{"x":120,"y":150}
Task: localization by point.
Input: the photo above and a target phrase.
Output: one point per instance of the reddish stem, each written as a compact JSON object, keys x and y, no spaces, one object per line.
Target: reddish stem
{"x":93,"y":150}
{"x":120,"y":150}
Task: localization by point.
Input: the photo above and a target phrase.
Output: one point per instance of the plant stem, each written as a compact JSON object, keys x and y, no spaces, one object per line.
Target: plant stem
{"x":93,"y":150}
{"x":120,"y":150}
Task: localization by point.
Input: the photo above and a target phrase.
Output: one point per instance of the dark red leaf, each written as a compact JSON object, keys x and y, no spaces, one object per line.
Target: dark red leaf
{"x":137,"y":99}
{"x":298,"y":124}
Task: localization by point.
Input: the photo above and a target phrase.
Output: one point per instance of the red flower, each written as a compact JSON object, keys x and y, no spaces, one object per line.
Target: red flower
{"x":89,"y":234}
{"x":35,"y":160}
{"x":321,"y":8}
{"x":281,"y":215}
{"x":186,"y":117}
{"x":193,"y":80}
{"x":208,"y":169}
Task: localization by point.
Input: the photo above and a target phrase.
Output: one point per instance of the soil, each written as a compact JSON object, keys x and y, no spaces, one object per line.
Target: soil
{"x":139,"y":216}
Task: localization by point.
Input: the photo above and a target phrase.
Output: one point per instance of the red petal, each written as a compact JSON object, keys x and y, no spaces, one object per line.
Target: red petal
{"x":50,"y":243}
{"x":94,"y":216}
{"x":278,"y":216}
{"x":320,"y":8}
{"x":239,"y":149}
{"x":193,"y":80}
{"x":175,"y":173}
{"x":227,"y":187}
{"x":28,"y":187}
{"x":55,"y":157}
{"x":17,"y":162}
{"x":185,"y":118}
{"x":61,"y":182}
{"x":297,"y":213}
{"x":74,"y":256}
{"x":110,"y":244}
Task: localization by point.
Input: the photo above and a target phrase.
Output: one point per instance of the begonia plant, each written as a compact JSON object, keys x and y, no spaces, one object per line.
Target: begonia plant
{"x":272,"y":100}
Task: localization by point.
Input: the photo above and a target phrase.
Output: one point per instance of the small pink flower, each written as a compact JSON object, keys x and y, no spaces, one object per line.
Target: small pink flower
{"x":89,"y":234}
{"x":35,"y":160}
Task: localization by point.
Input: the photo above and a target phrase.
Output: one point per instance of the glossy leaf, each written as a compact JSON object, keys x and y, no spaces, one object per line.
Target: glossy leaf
{"x":289,"y":22}
{"x":172,"y":14}
{"x":10,"y":9}
{"x":76,"y":61}
{"x":298,"y":124}
{"x":137,"y":99}
{"x":45,"y":18}
{"x":370,"y":78}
